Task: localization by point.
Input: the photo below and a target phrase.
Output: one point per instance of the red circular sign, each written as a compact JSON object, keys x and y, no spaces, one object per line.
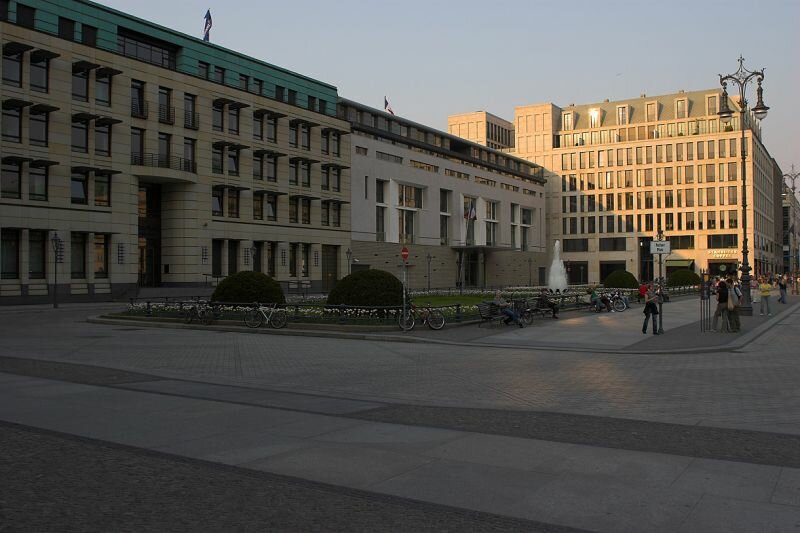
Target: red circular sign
{"x":404,"y":253}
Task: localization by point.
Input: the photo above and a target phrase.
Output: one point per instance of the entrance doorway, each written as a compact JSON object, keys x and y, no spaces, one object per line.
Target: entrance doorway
{"x":330,"y":271}
{"x":149,"y":235}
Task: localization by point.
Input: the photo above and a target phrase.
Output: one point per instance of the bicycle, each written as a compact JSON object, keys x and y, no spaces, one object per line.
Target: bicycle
{"x":201,"y":312}
{"x":263,"y":314}
{"x":432,"y":317}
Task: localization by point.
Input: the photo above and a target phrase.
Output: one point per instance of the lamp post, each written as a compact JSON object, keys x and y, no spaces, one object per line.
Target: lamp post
{"x":741,"y":78}
{"x":253,"y":252}
{"x":793,"y":176}
{"x":349,"y":255}
{"x":58,"y":249}
{"x":429,"y":258}
{"x":660,"y":238}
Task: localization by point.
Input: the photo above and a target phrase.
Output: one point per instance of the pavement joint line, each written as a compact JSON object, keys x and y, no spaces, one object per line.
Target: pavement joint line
{"x":734,"y":345}
{"x":618,"y":428}
{"x":265,"y":476}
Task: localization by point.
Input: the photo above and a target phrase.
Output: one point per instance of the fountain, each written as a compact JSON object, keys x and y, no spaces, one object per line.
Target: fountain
{"x":557,"y":277}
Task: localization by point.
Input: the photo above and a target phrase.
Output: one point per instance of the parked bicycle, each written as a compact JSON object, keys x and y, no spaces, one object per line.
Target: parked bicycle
{"x":266,"y":314}
{"x":432,"y":317}
{"x":201,"y":312}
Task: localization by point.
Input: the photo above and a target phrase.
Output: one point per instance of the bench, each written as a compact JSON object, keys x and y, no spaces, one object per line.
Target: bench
{"x":540,"y":307}
{"x":490,"y":313}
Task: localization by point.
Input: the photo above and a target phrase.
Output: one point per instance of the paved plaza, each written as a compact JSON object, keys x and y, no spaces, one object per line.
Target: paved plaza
{"x":581,"y":423}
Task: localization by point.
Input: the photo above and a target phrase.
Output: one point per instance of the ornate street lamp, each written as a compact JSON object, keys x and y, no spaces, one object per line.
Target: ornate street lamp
{"x":741,"y":78}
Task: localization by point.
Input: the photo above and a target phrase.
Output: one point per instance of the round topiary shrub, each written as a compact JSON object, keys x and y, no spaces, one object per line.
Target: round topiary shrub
{"x":683,"y":278}
{"x":367,"y":288}
{"x":247,"y":287}
{"x":621,"y":279}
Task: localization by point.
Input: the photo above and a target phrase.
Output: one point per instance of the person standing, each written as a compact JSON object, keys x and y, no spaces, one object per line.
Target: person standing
{"x":782,"y":289}
{"x":734,"y":299}
{"x":722,"y":307}
{"x":765,"y":288}
{"x":650,"y":309}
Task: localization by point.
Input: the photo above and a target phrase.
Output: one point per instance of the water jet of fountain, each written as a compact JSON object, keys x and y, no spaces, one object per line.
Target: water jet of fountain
{"x":557,"y":277}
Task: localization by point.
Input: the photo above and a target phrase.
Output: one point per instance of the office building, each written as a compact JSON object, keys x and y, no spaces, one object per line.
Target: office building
{"x":482,"y":128}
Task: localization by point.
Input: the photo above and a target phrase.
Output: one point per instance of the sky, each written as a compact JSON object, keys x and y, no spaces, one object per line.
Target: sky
{"x":433,"y":58}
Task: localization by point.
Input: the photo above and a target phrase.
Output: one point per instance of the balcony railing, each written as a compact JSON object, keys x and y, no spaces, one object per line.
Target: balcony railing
{"x":138,"y":109}
{"x":163,"y":161}
{"x":191,"y":120}
{"x":166,"y":114}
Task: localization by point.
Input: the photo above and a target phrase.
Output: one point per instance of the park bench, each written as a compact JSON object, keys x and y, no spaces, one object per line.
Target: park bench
{"x":489,"y":313}
{"x":539,"y":307}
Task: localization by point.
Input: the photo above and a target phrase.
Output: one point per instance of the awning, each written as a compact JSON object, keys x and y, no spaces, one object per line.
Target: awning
{"x":43,"y":55}
{"x":683,"y":263}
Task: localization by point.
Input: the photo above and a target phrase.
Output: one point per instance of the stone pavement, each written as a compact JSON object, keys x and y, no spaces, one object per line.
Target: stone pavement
{"x":598,"y":441}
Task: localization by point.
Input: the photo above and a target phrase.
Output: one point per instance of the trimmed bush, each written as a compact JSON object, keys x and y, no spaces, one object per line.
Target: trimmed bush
{"x":367,"y":288}
{"x":682,"y":278}
{"x":247,"y":287}
{"x":621,"y":279}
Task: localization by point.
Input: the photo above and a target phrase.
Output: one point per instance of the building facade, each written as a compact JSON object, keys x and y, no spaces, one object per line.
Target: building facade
{"x":790,"y":208}
{"x":470,"y":216}
{"x":620,"y":172}
{"x":482,"y":128}
{"x":133,"y":155}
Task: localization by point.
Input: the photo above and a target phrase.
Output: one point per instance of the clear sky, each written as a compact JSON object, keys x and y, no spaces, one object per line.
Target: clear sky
{"x":435,"y":57}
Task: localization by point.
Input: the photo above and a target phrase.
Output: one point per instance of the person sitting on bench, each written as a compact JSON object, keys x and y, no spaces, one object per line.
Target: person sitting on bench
{"x":547,"y":302}
{"x":507,"y":309}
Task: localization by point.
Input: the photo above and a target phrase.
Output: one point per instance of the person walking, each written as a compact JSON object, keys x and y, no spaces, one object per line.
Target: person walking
{"x":722,"y":308}
{"x":782,"y":289}
{"x":734,"y":300}
{"x":765,"y":288}
{"x":650,"y":309}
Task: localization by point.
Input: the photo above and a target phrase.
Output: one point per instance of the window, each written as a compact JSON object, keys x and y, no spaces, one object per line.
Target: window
{"x":680,"y":108}
{"x":66,"y":28}
{"x":40,"y":74}
{"x":145,"y":48}
{"x":79,"y":188}
{"x":272,"y":207}
{"x":233,"y":203}
{"x":293,"y":209}
{"x":566,"y":121}
{"x":388,"y":157}
{"x":12,"y":69}
{"x":258,"y":206}
{"x":217,"y":117}
{"x":279,"y":93}
{"x":80,"y":137}
{"x":305,"y":212}
{"x":37,"y":254}
{"x":77,"y":254}
{"x":138,"y":104}
{"x":88,"y":35}
{"x":576,"y":245}
{"x":164,"y":149}
{"x":9,"y":254}
{"x":312,"y":103}
{"x":233,"y":162}
{"x":233,"y":120}
{"x":380,"y":189}
{"x":137,"y":146}
{"x":258,"y":86}
{"x":293,"y":135}
{"x":219,"y":74}
{"x":272,"y":129}
{"x":80,"y":85}
{"x":293,"y":172}
{"x":203,"y":70}
{"x":217,"y":195}
{"x":272,"y":168}
{"x":190,"y":118}
{"x":4,"y":10}
{"x":380,"y":223}
{"x":730,"y":240}
{"x":102,"y":190}
{"x":216,"y":160}
{"x":102,"y":140}
{"x":409,"y":196}
{"x":305,"y":137}
{"x":622,"y":115}
{"x":305,"y":173}
{"x":101,"y":255}
{"x":258,"y":127}
{"x":102,"y":89}
{"x":406,"y":226}
{"x":10,"y":180}
{"x":711,"y":105}
{"x":25,"y":15}
{"x":244,"y":81}
{"x":12,"y":125}
{"x":37,"y":183}
{"x":166,"y":114}
{"x":292,"y":97}
{"x":189,"y":151}
{"x":325,"y":215}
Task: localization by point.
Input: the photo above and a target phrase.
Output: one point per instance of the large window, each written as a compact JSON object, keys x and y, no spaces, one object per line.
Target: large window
{"x":80,"y":85}
{"x":576,"y":245}
{"x":233,"y":120}
{"x":723,"y":241}
{"x":102,"y":190}
{"x":78,"y":255}
{"x":272,"y":207}
{"x":216,"y":160}
{"x":37,"y":254}
{"x":101,"y":256}
{"x":258,"y":206}
{"x":217,"y":196}
{"x":409,"y":196}
{"x":10,"y":180}
{"x":80,"y":136}
{"x":40,"y":74}
{"x":102,"y":140}
{"x":38,"y":129}
{"x":233,"y":203}
{"x":144,"y":48}
{"x":9,"y":253}
{"x":12,"y":69}
{"x":12,"y":125}
{"x":37,"y":183}
{"x":79,"y":188}
{"x":217,"y":117}
{"x":102,"y":89}
{"x":406,"y":225}
{"x":137,"y":146}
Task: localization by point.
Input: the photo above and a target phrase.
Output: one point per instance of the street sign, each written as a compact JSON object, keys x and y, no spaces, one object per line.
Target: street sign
{"x":404,"y":253}
{"x":660,"y":248}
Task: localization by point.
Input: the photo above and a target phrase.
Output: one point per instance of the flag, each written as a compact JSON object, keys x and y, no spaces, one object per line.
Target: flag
{"x":207,"y":27}
{"x":386,"y":106}
{"x":470,"y":213}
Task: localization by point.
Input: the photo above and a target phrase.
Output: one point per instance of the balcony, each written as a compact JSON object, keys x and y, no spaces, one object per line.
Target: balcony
{"x":139,"y":108}
{"x":191,"y":120}
{"x":166,"y":169}
{"x":166,"y":114}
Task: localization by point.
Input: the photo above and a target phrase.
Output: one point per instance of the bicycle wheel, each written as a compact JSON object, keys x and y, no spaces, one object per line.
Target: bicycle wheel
{"x":435,"y":319}
{"x":253,"y":318}
{"x":407,"y":322}
{"x":527,"y":316}
{"x":278,"y":319}
{"x":619,"y":305}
